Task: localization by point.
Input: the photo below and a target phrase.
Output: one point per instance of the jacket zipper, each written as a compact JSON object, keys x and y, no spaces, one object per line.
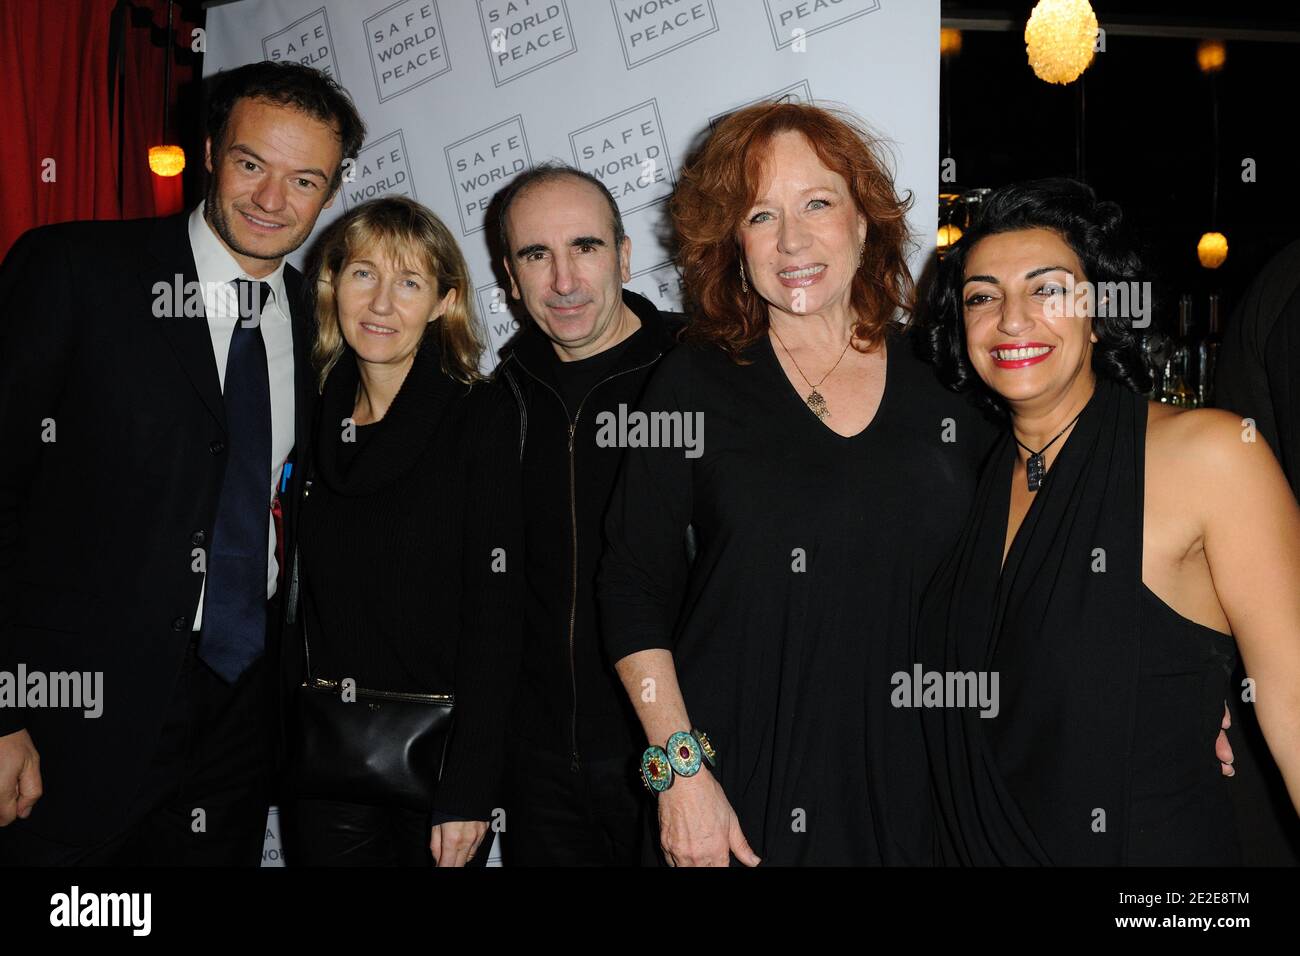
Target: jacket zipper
{"x":575,"y":763}
{"x":573,"y":599}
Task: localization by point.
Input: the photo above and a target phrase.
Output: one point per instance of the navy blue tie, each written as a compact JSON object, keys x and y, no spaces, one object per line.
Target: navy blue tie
{"x":233,"y":633}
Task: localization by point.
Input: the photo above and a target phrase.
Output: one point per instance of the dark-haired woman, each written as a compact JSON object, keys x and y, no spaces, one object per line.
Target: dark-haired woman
{"x":1119,"y":554}
{"x":828,"y":473}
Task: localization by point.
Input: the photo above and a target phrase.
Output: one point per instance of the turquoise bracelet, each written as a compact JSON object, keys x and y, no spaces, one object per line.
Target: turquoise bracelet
{"x":686,"y":752}
{"x":656,"y":771}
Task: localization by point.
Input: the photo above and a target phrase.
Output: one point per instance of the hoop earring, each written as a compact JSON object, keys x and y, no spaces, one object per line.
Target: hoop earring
{"x":744,"y":286}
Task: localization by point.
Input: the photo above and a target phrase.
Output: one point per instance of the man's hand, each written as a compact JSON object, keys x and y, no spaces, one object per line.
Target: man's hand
{"x":20,"y":777}
{"x":1223,"y":749}
{"x":455,"y":843}
{"x":697,"y":826}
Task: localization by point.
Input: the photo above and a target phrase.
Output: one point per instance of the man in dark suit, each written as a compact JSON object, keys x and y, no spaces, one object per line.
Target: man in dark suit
{"x":154,"y":378}
{"x":1259,"y":378}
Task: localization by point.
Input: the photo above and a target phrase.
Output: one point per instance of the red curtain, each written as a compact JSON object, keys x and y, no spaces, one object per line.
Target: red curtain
{"x":58,"y":141}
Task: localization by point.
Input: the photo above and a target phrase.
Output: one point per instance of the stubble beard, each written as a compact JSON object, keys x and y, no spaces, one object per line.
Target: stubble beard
{"x":216,"y":215}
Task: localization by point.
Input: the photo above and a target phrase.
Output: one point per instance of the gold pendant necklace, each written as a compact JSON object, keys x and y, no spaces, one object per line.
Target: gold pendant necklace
{"x":817,"y":403}
{"x":815,"y":400}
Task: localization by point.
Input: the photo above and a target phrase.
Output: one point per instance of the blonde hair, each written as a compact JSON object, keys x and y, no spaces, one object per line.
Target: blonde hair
{"x":412,"y":237}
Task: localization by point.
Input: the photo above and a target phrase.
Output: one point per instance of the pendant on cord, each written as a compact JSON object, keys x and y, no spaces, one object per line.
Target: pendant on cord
{"x":818,"y":404}
{"x":1036,"y":467}
{"x":1035,"y":471}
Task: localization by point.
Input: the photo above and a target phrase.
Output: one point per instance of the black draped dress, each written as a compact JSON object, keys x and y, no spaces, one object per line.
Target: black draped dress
{"x":813,"y":553}
{"x":1102,"y":748}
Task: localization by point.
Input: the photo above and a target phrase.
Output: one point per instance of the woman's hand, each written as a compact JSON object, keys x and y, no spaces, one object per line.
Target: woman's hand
{"x":697,"y":826}
{"x":455,"y":843}
{"x":1222,"y":748}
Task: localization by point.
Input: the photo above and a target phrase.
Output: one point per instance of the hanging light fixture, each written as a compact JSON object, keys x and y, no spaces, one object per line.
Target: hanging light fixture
{"x":948,"y":236}
{"x":1212,"y":250}
{"x":1061,"y":38}
{"x":949,"y":47}
{"x":952,"y":207}
{"x":949,"y":42}
{"x":1211,"y":55}
{"x":167,"y":160}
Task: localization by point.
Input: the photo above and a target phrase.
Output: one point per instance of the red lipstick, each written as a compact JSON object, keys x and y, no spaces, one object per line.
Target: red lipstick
{"x":1022,"y":359}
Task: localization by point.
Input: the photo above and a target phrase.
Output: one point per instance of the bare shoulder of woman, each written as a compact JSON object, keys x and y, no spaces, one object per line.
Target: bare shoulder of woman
{"x":1204,"y":460}
{"x":1214,"y":469}
{"x":1193,"y":441}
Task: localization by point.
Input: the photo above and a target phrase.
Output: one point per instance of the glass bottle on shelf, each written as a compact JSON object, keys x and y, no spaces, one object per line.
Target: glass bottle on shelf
{"x":1151,"y":344}
{"x":1180,"y":384}
{"x":1155,"y":350}
{"x":1208,"y":354}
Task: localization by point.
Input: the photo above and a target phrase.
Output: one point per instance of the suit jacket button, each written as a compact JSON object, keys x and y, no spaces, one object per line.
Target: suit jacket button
{"x":178,"y":624}
{"x":198,"y":537}
{"x":217,"y":447}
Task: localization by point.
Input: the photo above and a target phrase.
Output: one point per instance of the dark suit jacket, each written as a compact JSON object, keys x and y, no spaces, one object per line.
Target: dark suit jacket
{"x":1259,"y":377}
{"x":1259,"y":362}
{"x":98,"y":526}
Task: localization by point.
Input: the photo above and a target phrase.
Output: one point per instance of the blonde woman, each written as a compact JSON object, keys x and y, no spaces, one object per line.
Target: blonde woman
{"x":409,"y":528}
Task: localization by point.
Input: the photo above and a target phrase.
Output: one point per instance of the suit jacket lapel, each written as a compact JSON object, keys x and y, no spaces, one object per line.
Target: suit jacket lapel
{"x":305,"y":400}
{"x":304,"y":380}
{"x":188,"y":335}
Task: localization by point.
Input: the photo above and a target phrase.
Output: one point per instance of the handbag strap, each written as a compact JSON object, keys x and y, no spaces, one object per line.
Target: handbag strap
{"x":297,"y":613}
{"x":306,"y":646}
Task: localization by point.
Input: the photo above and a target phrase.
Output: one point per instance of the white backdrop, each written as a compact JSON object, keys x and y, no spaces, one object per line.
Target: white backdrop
{"x":461,"y":95}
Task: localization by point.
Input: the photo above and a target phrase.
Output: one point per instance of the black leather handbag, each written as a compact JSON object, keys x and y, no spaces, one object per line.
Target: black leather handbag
{"x":374,"y":747}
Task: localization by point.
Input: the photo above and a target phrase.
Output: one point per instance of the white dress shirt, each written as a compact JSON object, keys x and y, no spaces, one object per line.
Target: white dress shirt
{"x":217,"y":269}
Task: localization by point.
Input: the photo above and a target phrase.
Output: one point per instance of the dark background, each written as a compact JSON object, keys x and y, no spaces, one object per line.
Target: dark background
{"x":1148,"y":139}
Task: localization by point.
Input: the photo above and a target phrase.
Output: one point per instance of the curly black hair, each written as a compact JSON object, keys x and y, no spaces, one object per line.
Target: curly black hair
{"x":1090,"y":228}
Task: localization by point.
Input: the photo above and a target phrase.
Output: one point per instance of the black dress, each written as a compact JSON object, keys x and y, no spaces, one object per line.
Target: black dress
{"x":1101,"y":750}
{"x":1182,"y":806}
{"x":813,"y":552}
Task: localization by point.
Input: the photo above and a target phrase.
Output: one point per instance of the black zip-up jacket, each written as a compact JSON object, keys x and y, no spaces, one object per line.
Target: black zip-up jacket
{"x":570,"y":699}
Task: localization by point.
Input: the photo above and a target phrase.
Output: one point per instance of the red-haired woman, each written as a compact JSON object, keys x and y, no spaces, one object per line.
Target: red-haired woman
{"x":827,"y":475}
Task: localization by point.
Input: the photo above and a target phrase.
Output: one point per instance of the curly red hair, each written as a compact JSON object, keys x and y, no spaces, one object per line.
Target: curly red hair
{"x":719,"y":185}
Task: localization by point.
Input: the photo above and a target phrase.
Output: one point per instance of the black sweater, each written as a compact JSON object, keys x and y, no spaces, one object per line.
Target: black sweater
{"x":400,"y":568}
{"x":570,"y":699}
